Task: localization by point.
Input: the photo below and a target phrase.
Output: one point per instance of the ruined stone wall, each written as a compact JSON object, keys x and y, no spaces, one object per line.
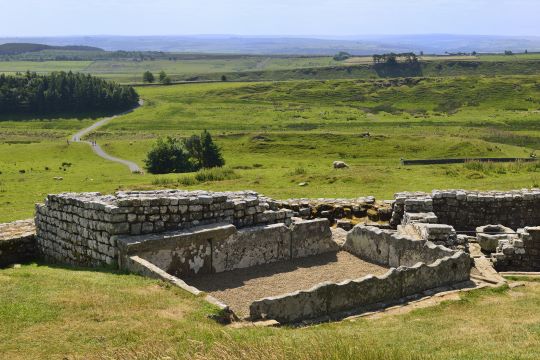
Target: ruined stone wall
{"x":466,"y":210}
{"x":17,"y":242}
{"x":521,"y":253}
{"x":328,"y":299}
{"x":217,"y":248}
{"x":388,"y":248}
{"x":82,"y":229}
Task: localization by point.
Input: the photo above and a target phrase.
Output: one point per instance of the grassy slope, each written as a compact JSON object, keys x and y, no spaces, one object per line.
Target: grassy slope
{"x":276,"y":135}
{"x":51,"y":312}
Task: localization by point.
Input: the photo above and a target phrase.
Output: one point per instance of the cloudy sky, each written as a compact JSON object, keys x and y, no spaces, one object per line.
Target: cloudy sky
{"x":268,"y":17}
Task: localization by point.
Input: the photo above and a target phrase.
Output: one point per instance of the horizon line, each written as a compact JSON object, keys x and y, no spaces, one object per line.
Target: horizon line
{"x":308,"y":36}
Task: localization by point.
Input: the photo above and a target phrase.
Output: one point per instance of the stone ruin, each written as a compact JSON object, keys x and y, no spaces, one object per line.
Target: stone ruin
{"x":259,"y":259}
{"x":502,"y":224}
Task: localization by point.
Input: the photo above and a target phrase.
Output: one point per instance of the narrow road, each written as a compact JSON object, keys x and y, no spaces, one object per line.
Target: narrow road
{"x":97,"y":149}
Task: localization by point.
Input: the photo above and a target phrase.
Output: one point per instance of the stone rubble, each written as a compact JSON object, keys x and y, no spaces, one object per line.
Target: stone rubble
{"x":337,"y":209}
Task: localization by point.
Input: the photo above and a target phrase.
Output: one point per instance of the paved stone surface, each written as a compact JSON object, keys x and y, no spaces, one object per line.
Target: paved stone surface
{"x":239,"y":288}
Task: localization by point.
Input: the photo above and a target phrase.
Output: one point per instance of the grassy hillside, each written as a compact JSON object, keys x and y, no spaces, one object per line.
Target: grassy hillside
{"x":51,"y":312}
{"x":276,"y":135}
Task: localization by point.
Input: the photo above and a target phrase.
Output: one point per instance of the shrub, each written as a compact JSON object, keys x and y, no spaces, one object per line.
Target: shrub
{"x":298,"y":171}
{"x":206,"y":175}
{"x":342,"y":55}
{"x":215,"y":174}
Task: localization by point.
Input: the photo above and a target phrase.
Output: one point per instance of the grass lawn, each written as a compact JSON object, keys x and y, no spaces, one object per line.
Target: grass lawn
{"x":49,"y":312}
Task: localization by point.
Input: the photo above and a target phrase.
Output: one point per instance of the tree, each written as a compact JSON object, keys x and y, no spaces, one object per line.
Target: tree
{"x":162,"y":76}
{"x":223,"y":78}
{"x":169,"y":156}
{"x":211,"y":153}
{"x":194,"y":147}
{"x":342,"y":55}
{"x":148,"y":77}
{"x":166,"y":81}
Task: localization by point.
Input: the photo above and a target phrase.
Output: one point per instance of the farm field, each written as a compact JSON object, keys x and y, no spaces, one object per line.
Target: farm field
{"x":129,"y":71}
{"x":277,"y":135}
{"x":252,"y":68}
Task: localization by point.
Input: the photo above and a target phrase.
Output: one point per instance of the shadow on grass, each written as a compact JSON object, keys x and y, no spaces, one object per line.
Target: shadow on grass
{"x":104,"y":270}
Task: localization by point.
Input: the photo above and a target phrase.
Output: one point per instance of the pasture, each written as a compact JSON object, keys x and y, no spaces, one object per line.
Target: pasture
{"x":277,"y":135}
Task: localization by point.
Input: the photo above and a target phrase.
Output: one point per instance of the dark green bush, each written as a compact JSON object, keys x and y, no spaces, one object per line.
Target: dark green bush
{"x":171,"y":155}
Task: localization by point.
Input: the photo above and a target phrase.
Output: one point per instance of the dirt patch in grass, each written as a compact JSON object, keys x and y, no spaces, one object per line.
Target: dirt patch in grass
{"x":239,"y":288}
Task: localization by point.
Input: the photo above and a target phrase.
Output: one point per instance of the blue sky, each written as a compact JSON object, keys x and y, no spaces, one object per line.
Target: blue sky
{"x":270,"y":17}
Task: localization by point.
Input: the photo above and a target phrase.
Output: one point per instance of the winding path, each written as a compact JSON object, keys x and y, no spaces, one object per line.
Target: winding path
{"x":98,"y":150}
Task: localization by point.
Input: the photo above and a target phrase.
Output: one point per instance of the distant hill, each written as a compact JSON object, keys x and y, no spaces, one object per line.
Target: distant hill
{"x":308,"y":45}
{"x":21,"y":48}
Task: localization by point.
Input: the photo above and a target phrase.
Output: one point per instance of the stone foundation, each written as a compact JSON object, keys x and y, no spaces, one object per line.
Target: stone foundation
{"x":420,"y":266}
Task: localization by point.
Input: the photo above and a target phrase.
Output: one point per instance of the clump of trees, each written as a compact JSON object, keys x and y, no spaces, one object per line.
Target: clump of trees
{"x":148,"y":77}
{"x":172,"y":155}
{"x":61,"y":93}
{"x":397,"y":65}
{"x":341,"y":56}
{"x":391,"y":58}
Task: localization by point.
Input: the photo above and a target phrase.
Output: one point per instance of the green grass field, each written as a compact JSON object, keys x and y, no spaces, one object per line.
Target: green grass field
{"x":276,"y":135}
{"x":51,"y":313}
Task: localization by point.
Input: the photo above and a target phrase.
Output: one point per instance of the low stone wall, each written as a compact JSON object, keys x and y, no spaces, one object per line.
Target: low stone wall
{"x":466,"y":210}
{"x":17,"y":242}
{"x":223,"y":247}
{"x":422,"y":266}
{"x":388,"y":248}
{"x":82,"y":229}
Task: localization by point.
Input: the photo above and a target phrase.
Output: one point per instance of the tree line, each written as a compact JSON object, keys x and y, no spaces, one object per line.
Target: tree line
{"x":62,"y":92}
